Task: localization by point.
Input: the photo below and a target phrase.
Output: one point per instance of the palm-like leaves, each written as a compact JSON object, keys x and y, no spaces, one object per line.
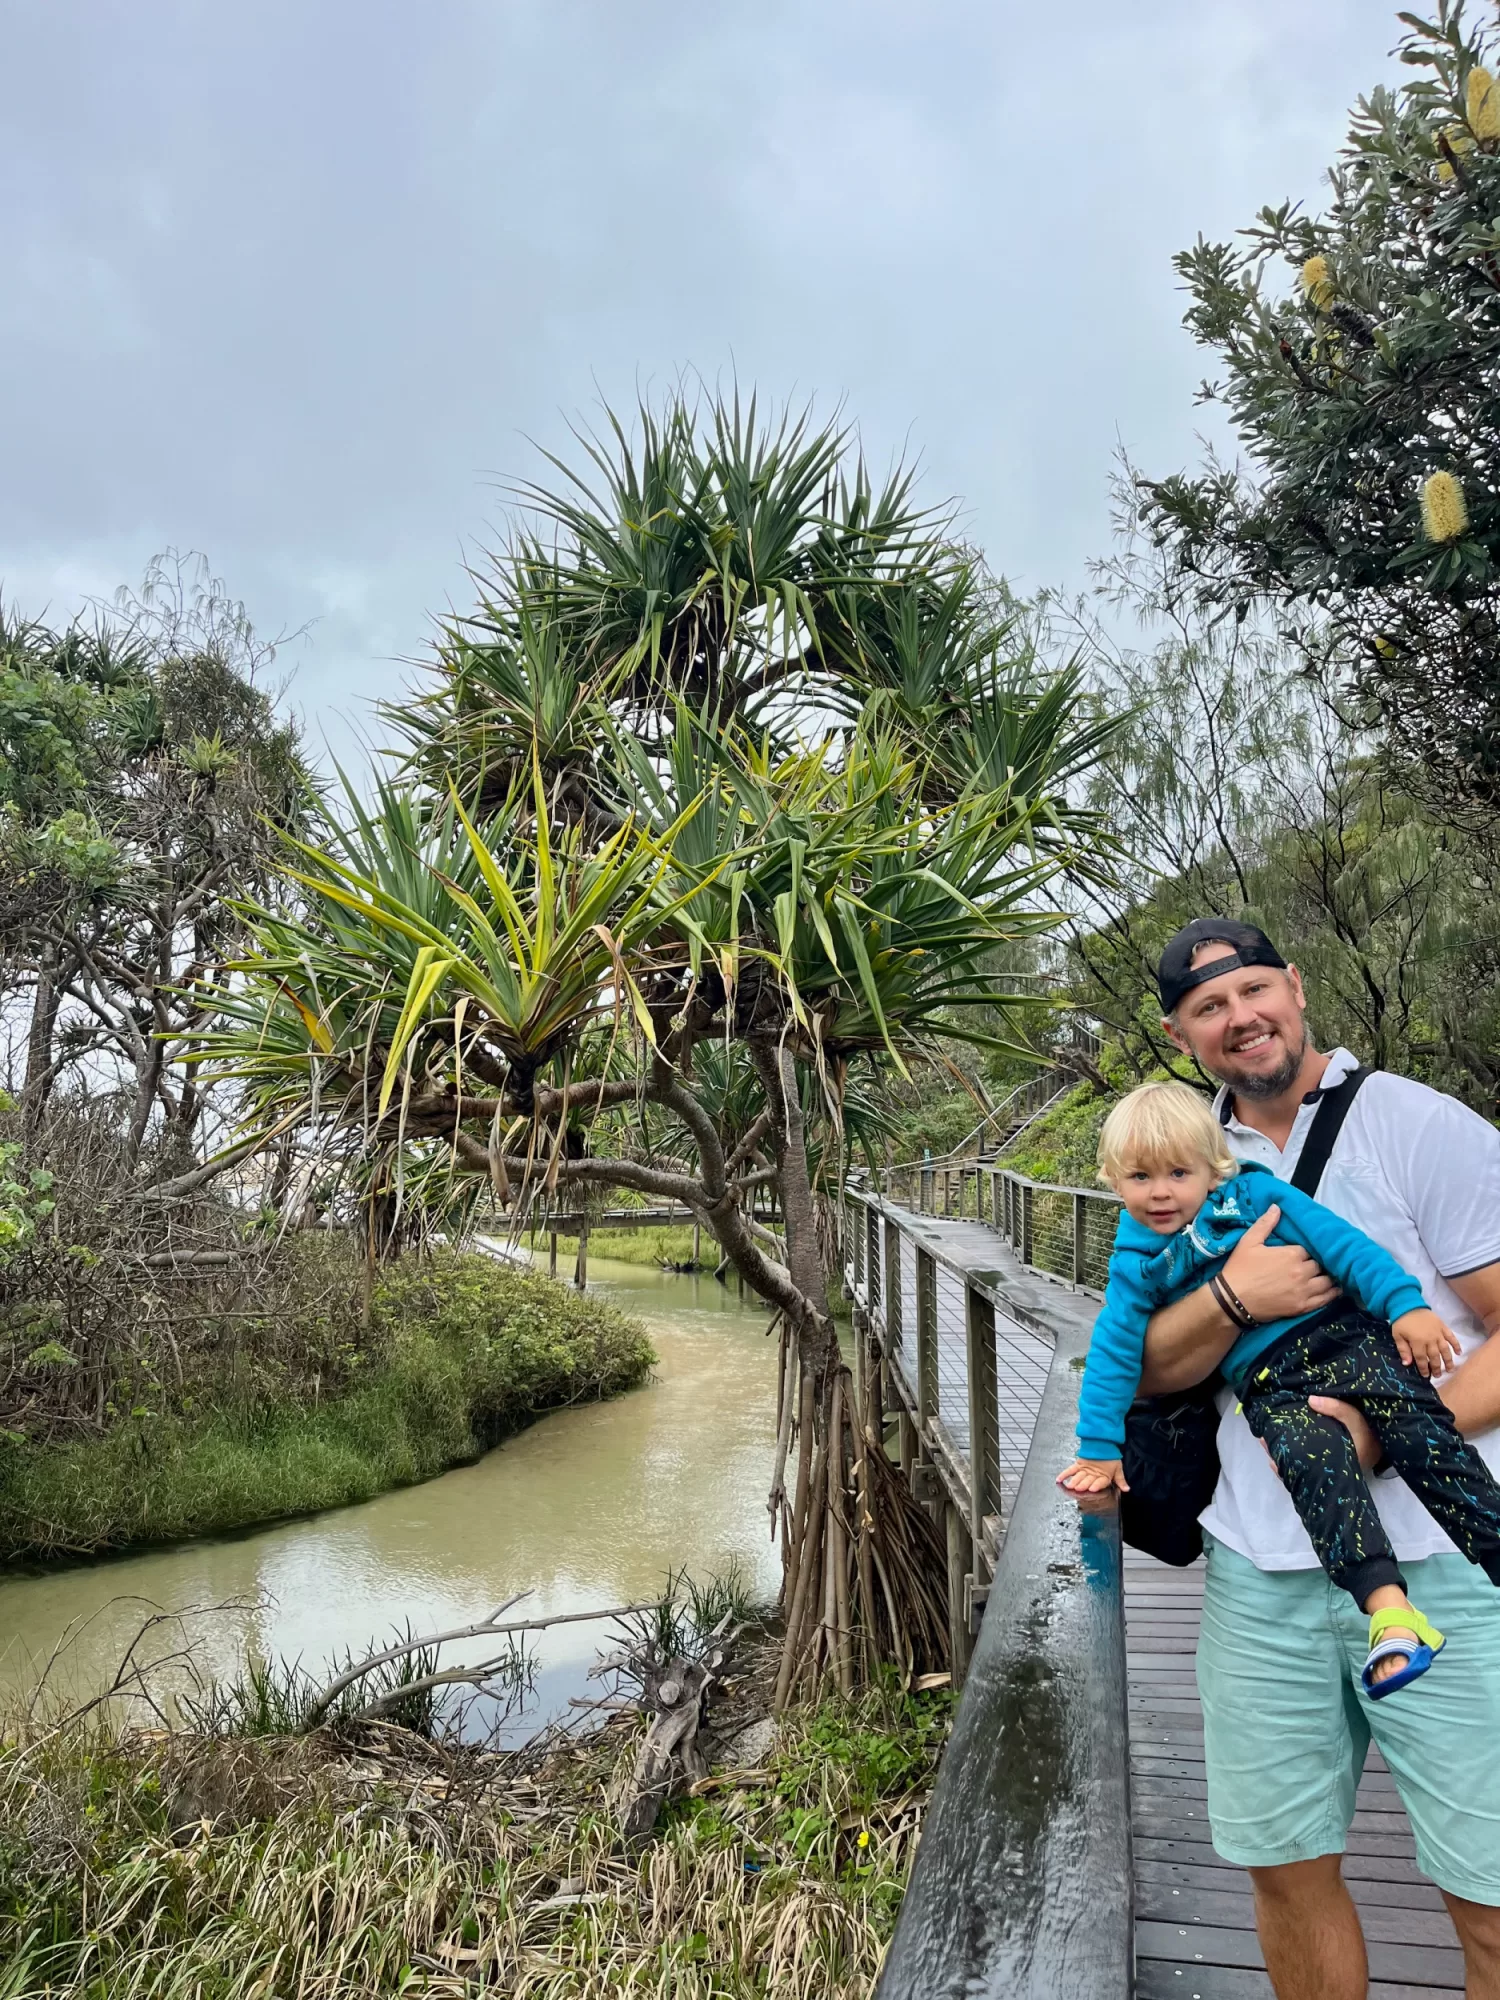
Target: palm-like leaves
{"x":434,"y":948}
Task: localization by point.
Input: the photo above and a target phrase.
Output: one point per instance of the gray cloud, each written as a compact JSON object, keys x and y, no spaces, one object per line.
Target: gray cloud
{"x":297,"y":283}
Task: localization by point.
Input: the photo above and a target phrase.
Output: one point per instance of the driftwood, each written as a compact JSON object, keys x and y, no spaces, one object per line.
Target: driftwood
{"x":674,"y":1693}
{"x":455,"y":1676}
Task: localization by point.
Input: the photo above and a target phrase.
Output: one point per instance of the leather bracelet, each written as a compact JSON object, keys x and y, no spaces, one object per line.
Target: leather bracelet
{"x":1230,"y":1302}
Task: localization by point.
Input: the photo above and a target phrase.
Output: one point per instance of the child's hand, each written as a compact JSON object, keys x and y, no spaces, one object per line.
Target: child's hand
{"x":1423,"y":1341}
{"x":1093,"y":1475}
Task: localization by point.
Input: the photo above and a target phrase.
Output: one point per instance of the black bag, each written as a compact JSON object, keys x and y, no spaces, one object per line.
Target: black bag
{"x":1171,"y":1442}
{"x":1171,"y":1468}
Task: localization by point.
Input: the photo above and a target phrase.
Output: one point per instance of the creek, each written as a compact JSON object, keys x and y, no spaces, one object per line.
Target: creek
{"x":589,"y":1507}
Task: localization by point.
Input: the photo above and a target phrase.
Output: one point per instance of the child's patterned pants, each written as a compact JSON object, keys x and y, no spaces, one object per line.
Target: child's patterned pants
{"x":1349,"y":1354}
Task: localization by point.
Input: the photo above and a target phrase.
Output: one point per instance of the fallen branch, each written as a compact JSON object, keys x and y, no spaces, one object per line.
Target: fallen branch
{"x":484,"y":1628}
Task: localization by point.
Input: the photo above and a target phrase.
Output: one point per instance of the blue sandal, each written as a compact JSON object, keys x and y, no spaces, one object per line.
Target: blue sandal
{"x":1419,"y":1657}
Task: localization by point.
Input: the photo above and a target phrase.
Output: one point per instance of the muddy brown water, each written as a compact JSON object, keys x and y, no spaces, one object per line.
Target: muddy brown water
{"x":591,"y":1506}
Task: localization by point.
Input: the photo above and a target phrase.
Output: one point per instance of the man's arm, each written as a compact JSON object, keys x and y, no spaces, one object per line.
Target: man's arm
{"x":1185,"y":1342}
{"x":1472,"y":1391}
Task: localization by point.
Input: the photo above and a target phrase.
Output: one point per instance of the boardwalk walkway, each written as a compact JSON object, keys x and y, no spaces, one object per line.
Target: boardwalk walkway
{"x":1195,"y":1925}
{"x":1194,"y":1920}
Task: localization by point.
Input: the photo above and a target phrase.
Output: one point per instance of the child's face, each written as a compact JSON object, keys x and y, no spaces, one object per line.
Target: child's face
{"x":1166,"y":1195}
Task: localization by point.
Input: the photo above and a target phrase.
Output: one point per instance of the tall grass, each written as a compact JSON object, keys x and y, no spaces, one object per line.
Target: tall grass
{"x":158,"y":1870}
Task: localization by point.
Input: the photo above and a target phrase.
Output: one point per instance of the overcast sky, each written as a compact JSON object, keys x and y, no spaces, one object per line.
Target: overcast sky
{"x":302,"y":283}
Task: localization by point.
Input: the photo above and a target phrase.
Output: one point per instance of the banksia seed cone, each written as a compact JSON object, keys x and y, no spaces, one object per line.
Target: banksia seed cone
{"x":1353,"y":323}
{"x":1317,"y":283}
{"x":1482,"y":104}
{"x":1444,"y":513}
{"x":1458,"y":142}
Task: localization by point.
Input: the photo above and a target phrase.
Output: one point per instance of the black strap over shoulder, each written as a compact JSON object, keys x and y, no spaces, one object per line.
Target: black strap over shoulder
{"x":1333,"y":1109}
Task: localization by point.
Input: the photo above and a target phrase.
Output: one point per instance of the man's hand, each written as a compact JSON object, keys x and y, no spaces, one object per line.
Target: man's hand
{"x":1276,"y":1280}
{"x":1424,"y":1342}
{"x":1355,"y":1423}
{"x":1093,"y":1475}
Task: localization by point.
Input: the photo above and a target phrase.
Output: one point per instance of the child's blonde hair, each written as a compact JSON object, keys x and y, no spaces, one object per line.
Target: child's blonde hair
{"x":1162,"y":1124}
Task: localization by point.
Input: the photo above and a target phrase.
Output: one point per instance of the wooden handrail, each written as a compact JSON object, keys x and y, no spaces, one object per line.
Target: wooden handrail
{"x":1022,"y":1884}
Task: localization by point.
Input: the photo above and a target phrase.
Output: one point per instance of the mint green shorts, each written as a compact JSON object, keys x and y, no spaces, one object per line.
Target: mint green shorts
{"x":1286,"y":1724}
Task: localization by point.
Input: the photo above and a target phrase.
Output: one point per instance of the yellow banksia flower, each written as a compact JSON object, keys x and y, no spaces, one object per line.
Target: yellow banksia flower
{"x":1482,"y":104}
{"x":1445,"y":514}
{"x":1459,"y":141}
{"x":1317,"y":283}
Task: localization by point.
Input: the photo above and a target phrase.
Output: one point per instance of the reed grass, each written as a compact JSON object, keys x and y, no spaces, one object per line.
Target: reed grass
{"x":158,"y":1867}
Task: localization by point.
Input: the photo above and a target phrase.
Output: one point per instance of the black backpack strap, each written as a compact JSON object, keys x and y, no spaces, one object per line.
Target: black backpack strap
{"x":1333,"y":1109}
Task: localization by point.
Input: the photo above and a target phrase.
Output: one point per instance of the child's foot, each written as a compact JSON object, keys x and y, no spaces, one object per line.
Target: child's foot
{"x":1393,"y":1663}
{"x":1403,"y":1644}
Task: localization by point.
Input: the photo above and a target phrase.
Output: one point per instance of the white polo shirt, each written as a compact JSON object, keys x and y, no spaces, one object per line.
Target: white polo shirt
{"x":1420,"y":1173}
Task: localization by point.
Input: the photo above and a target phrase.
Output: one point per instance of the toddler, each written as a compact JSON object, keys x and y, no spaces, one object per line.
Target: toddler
{"x":1187,"y":1202}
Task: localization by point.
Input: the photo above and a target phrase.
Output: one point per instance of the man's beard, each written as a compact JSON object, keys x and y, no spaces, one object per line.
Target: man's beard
{"x":1264,"y":1083}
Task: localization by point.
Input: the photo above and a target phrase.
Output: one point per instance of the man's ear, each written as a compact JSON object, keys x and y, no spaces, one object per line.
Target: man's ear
{"x":1175,"y":1035}
{"x":1295,"y":979}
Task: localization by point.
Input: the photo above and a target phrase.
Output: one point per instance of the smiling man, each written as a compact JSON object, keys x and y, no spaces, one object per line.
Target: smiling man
{"x":1286,"y":1725}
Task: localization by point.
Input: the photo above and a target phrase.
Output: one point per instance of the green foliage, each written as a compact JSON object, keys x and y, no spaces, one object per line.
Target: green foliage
{"x":178,"y":1869}
{"x":25,"y":1195}
{"x":1062,"y":1146}
{"x":1240,"y":788}
{"x":615,"y":879}
{"x":460,"y":1352}
{"x":1376,"y":372}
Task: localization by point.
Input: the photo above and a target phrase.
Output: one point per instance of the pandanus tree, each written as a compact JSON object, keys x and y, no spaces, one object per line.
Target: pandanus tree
{"x":724,"y":801}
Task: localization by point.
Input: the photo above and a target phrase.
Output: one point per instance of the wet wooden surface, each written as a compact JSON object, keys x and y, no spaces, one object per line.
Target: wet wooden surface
{"x":1195,"y":1922}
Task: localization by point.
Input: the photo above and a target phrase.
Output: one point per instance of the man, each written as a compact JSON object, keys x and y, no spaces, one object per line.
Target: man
{"x":1286,"y":1727}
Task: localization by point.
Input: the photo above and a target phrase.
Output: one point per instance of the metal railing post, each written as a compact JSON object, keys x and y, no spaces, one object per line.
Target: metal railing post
{"x":1026,"y":1257}
{"x":927,"y":1371}
{"x":1080,"y":1236}
{"x":984,"y":1413}
{"x":892,"y":1286}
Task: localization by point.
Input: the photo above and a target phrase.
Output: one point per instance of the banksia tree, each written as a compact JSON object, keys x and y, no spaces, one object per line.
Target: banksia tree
{"x":1350,"y":399}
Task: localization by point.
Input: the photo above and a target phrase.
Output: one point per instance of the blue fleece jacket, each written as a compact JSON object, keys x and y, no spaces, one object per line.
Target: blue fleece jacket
{"x":1148,"y":1270}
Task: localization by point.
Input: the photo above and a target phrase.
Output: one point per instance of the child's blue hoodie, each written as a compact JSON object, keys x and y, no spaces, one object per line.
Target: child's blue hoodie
{"x":1148,"y":1271}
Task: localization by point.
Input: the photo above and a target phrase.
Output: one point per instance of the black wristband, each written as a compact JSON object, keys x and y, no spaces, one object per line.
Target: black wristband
{"x":1230,"y":1303}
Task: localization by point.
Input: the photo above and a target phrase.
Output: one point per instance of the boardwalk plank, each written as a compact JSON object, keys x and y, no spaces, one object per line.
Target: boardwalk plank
{"x":1228,"y":1910}
{"x":1414,"y":1894}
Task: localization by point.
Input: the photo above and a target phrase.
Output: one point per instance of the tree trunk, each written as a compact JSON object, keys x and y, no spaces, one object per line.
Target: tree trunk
{"x":39,"y":1042}
{"x":864,"y":1568}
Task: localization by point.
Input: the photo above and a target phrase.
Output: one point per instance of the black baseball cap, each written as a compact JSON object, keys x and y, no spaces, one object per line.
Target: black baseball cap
{"x":1245,"y":945}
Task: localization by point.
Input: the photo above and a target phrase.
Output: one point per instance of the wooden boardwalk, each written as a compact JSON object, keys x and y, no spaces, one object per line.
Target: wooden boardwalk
{"x":1195,"y":1925}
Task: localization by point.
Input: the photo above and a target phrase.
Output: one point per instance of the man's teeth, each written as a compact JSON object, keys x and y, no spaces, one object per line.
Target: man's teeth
{"x":1255,"y":1042}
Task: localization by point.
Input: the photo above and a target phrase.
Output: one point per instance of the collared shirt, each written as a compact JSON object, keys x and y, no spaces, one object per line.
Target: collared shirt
{"x":1420,"y":1173}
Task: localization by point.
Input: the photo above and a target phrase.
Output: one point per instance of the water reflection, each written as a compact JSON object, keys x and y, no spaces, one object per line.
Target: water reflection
{"x":591,"y":1506}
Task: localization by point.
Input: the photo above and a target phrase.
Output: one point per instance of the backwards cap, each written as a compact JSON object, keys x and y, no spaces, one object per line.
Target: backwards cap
{"x":1243,"y":944}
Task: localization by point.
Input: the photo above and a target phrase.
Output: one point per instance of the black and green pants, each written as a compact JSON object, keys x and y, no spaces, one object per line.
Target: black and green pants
{"x":1349,"y":1354}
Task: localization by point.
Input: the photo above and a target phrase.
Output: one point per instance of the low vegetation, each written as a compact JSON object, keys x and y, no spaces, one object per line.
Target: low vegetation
{"x":317,"y":1406}
{"x":158,"y":1865}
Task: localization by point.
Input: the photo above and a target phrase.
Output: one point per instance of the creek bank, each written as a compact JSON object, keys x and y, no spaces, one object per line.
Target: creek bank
{"x":458,"y":1353}
{"x":176,"y":1864}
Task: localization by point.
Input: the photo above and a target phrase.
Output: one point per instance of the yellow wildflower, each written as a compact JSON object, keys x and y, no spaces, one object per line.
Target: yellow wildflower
{"x":1317,"y":283}
{"x":864,"y":1836}
{"x":1482,"y":104}
{"x":1445,"y":516}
